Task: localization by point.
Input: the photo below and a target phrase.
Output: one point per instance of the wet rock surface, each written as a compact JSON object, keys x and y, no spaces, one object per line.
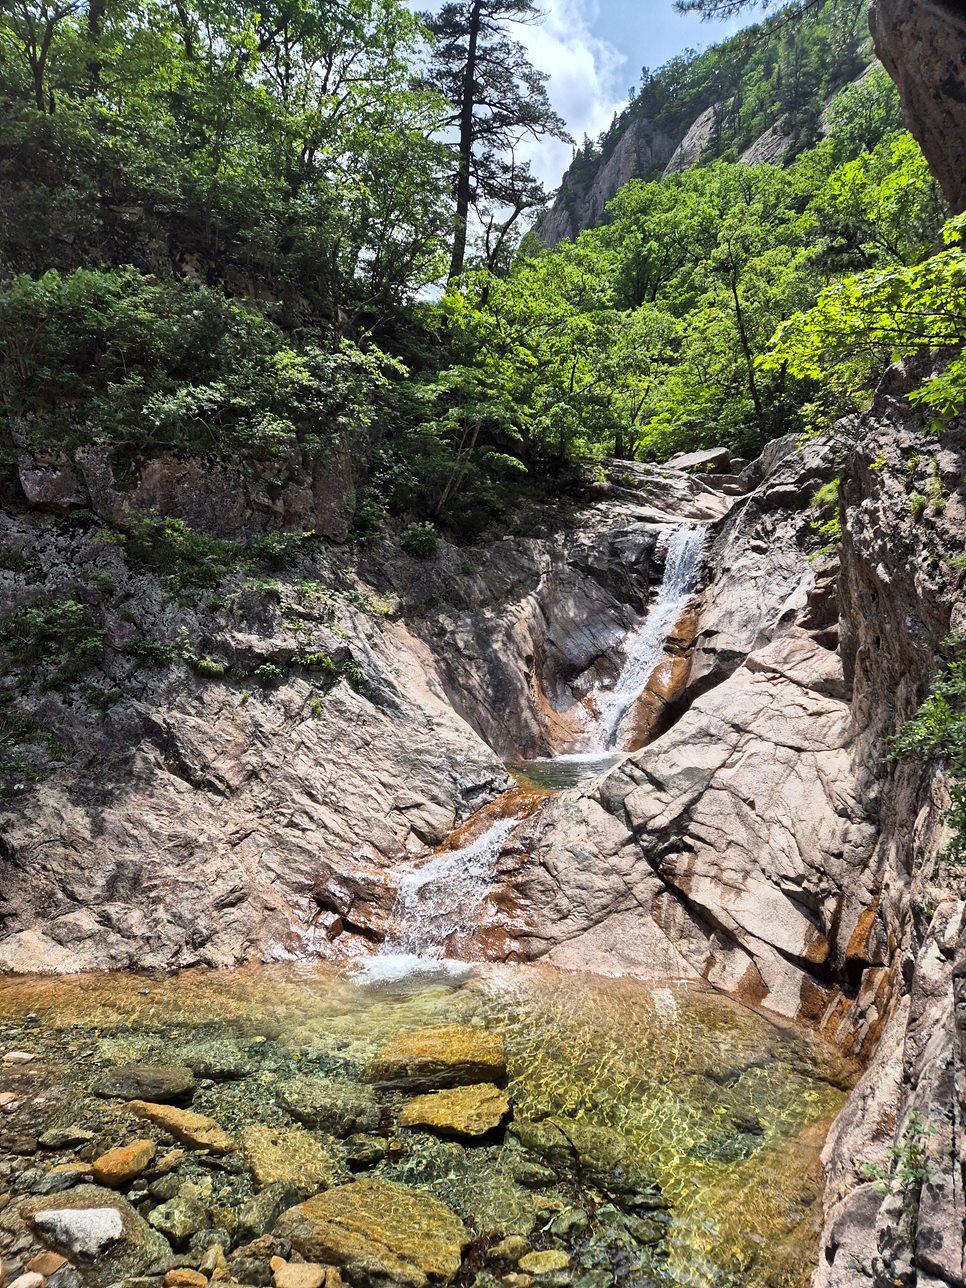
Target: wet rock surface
{"x":434,"y":1058}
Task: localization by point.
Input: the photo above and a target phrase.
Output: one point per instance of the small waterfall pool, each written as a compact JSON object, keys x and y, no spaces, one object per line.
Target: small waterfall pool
{"x":697,"y":1122}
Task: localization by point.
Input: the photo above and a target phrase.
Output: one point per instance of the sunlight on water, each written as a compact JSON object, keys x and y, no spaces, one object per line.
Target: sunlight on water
{"x":727,"y":1109}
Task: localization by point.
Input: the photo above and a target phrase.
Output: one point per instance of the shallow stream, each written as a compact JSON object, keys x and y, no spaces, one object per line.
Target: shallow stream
{"x":722,"y":1112}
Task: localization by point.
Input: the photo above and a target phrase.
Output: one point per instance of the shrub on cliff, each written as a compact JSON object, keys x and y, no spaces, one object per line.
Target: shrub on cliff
{"x":147,"y":366}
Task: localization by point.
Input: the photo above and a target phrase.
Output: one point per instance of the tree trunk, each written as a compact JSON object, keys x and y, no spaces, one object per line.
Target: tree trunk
{"x":95,"y":25}
{"x":467,"y":104}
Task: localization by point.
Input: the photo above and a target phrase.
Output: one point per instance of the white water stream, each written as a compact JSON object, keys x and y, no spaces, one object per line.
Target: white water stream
{"x":683,"y":559}
{"x":437,"y":898}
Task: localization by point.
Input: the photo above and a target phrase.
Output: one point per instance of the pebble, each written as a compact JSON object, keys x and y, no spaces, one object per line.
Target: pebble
{"x":512,"y":1248}
{"x":299,"y":1274}
{"x":47,"y":1263}
{"x":120,"y":1166}
{"x":8,"y":1101}
{"x":19,"y":1057}
{"x":29,"y":1280}
{"x":185,"y":1279}
{"x":544,"y":1263}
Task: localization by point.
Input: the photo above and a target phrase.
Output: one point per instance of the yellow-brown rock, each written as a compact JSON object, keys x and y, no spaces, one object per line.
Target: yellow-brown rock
{"x":185,"y":1125}
{"x":464,"y":1112}
{"x":288,"y":1155}
{"x":378,"y":1231}
{"x":118,"y":1166}
{"x":544,"y":1263}
{"x":299,"y":1274}
{"x":433,"y":1058}
{"x":185,"y":1278}
{"x":46,"y":1263}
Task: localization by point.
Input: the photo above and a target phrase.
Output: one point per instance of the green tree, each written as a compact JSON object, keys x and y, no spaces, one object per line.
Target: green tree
{"x":499,"y":99}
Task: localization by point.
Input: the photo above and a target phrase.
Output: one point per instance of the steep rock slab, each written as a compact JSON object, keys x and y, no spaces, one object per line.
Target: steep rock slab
{"x":735,"y":841}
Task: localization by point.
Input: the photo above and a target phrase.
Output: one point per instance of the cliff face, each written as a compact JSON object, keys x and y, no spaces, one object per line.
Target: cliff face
{"x":922,"y":44}
{"x":642,"y":151}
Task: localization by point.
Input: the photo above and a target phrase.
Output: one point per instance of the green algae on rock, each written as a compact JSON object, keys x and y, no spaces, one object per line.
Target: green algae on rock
{"x":334,"y":1104}
{"x":436,"y":1058}
{"x":380,"y":1232}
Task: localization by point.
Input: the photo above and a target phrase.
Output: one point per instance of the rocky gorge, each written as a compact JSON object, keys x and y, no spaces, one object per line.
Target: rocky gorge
{"x":758,"y":841}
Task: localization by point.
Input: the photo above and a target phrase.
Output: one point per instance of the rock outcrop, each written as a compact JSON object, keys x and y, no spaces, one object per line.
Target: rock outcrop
{"x":642,"y":151}
{"x":922,"y":44}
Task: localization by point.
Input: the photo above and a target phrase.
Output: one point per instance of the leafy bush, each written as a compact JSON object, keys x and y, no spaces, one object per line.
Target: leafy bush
{"x":149,"y":366}
{"x":419,"y":540}
{"x":180,"y":555}
{"x":153,"y":651}
{"x":61,"y":633}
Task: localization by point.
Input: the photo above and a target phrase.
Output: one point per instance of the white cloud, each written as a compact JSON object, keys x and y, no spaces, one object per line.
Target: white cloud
{"x":586,"y":79}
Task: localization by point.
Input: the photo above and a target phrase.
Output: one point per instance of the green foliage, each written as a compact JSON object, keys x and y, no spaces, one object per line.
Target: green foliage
{"x":179,"y":555}
{"x":908,"y":1169}
{"x":277,"y":548}
{"x":268,"y":674}
{"x":152,"y":651}
{"x":150,"y":367}
{"x":938,"y":732}
{"x":54,"y":638}
{"x":206,"y":666}
{"x":419,"y":540}
{"x":861,"y":323}
{"x":290,"y":145}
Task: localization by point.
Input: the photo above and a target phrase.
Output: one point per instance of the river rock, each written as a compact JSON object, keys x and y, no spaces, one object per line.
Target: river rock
{"x":118,"y":1166}
{"x":179,"y":1218}
{"x":69,"y":1137}
{"x":336,"y":1105}
{"x":184,"y":1277}
{"x":597,"y":1155}
{"x":29,"y":1280}
{"x":258,"y":1215}
{"x":196,"y":1130}
{"x":464,"y":1112}
{"x":215,"y":1058}
{"x":544,"y":1263}
{"x":299,"y":1274}
{"x":289,"y":1156}
{"x":380,"y":1233}
{"x":82,"y":1232}
{"x":160,"y":1083}
{"x":434,"y":1058}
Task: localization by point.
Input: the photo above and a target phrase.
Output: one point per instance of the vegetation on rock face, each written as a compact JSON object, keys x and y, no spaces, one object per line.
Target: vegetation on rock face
{"x":938,"y":732}
{"x":216,"y":229}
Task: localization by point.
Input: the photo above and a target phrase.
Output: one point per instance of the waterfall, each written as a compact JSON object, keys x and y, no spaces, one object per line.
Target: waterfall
{"x":436,"y":899}
{"x":683,"y":558}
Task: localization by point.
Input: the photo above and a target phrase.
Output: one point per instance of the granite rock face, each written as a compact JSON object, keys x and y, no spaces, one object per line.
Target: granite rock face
{"x":922,"y":44}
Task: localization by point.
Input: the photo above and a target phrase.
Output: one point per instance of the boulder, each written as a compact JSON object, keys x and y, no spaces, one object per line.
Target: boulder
{"x":715,"y":460}
{"x":434,"y":1058}
{"x":597,"y":1155}
{"x":289,"y":1156}
{"x":335,"y":1105}
{"x":195,"y":1130}
{"x":382,"y":1234}
{"x":463,"y":1112}
{"x":85,"y":1233}
{"x":159,"y":1083}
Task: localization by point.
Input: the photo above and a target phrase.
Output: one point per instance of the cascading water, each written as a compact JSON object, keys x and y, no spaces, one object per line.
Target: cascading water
{"x":435,"y":900}
{"x":683,"y":558}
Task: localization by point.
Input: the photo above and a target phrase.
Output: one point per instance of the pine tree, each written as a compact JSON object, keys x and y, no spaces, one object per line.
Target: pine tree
{"x":500,"y":99}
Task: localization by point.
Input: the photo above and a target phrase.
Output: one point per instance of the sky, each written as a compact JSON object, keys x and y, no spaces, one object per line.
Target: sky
{"x":593,"y":52}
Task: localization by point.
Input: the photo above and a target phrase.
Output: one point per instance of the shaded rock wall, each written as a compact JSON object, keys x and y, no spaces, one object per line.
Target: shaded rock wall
{"x":922,"y":44}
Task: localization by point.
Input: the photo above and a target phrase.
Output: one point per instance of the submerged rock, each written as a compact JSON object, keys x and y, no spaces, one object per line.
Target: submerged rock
{"x":460,"y":1111}
{"x":196,"y":1130}
{"x":434,"y":1058}
{"x":179,"y":1218}
{"x":161,"y":1083}
{"x":381,"y":1233}
{"x":214,"y":1058}
{"x":598,"y":1155}
{"x":334,"y":1104}
{"x":259,"y":1214}
{"x":289,"y":1156}
{"x":118,"y":1166}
